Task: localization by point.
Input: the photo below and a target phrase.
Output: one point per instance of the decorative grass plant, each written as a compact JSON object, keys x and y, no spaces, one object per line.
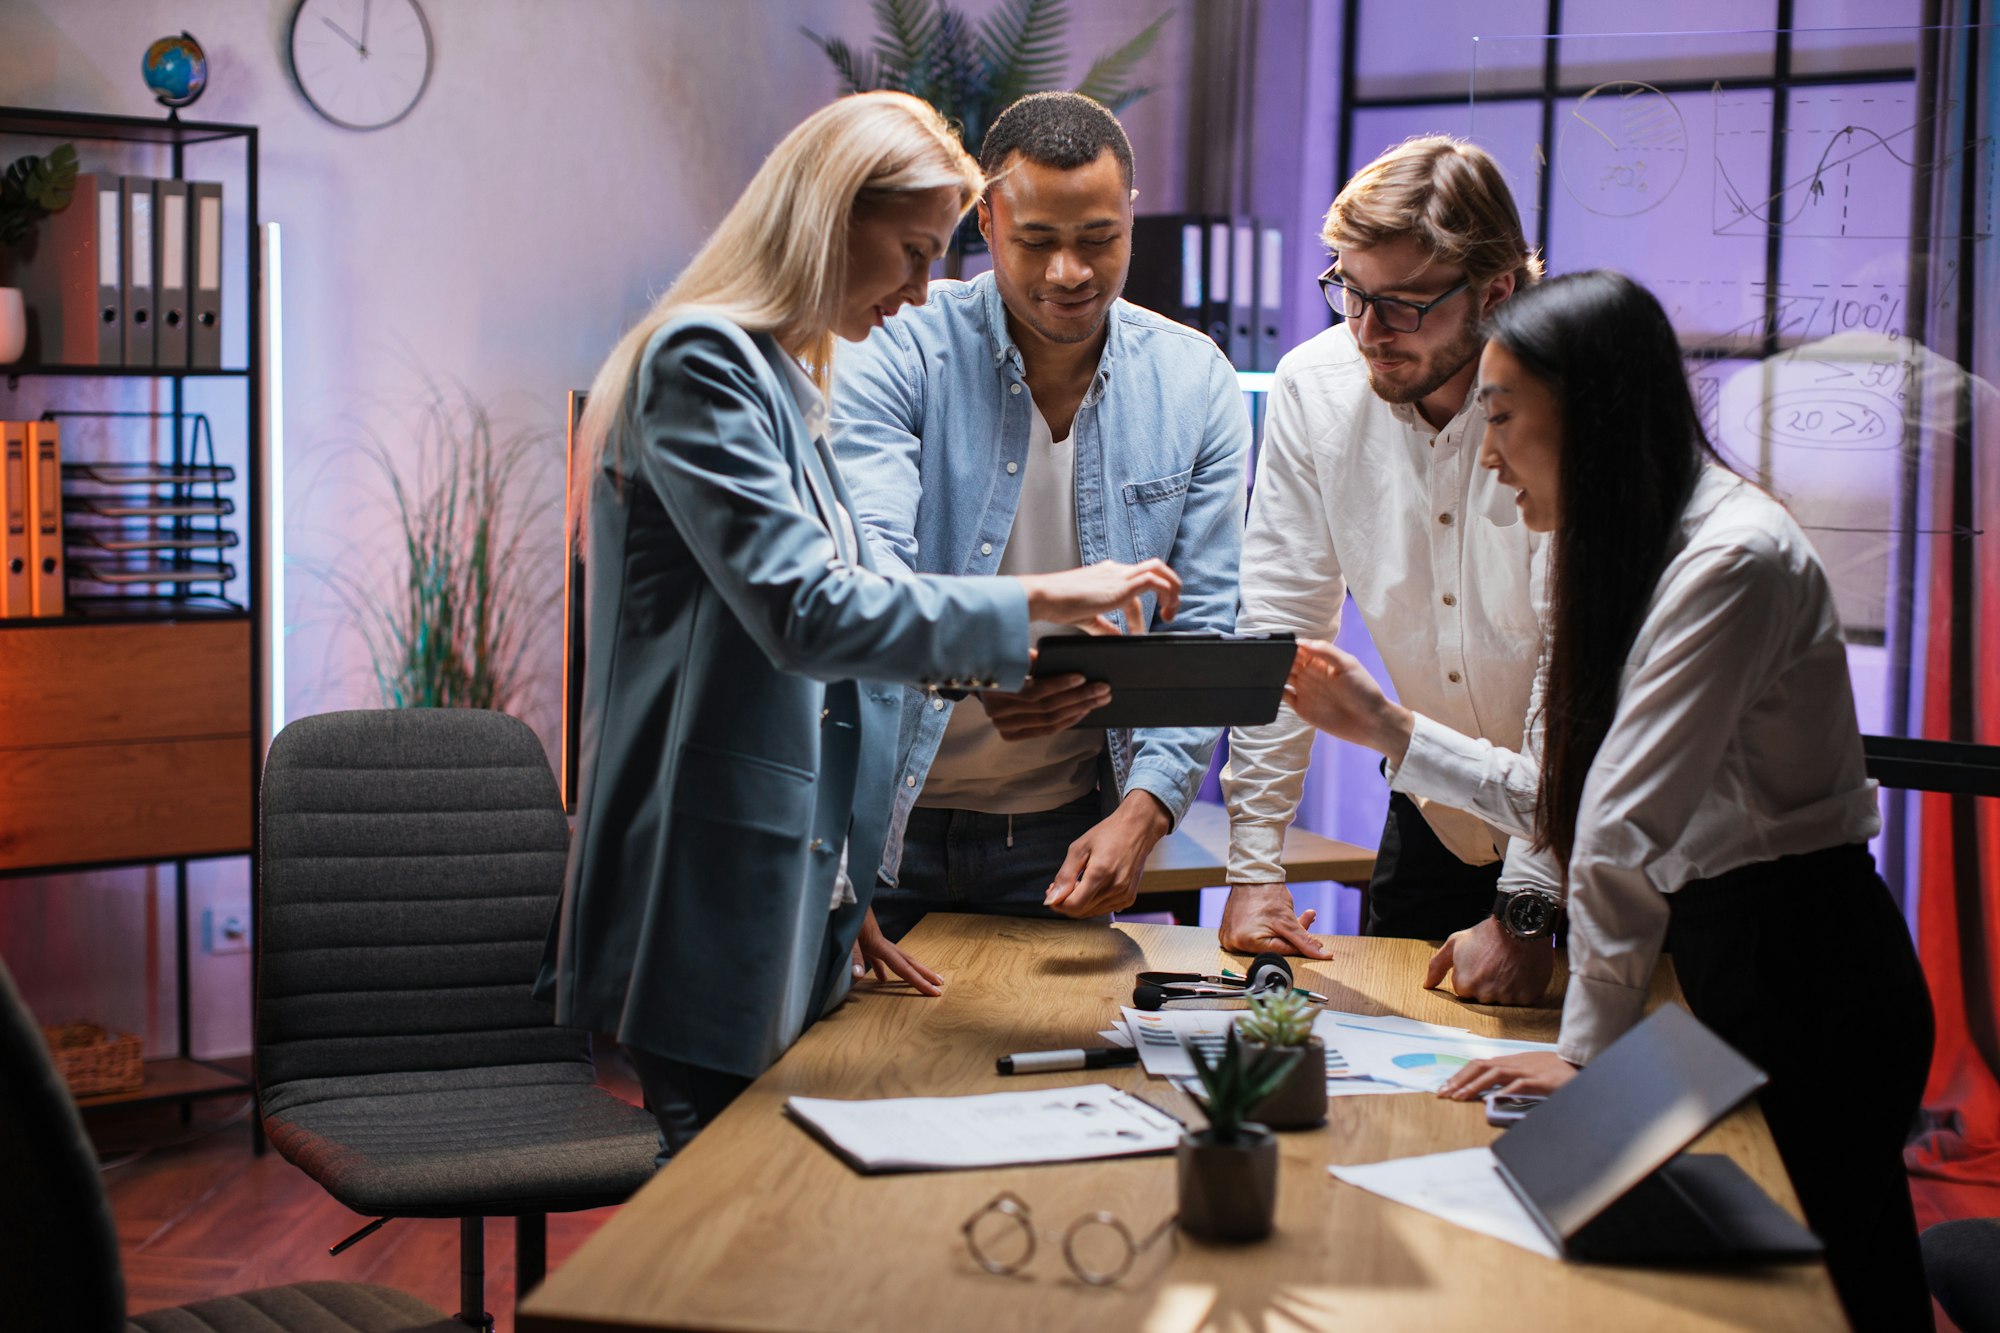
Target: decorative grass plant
{"x":461,"y":597}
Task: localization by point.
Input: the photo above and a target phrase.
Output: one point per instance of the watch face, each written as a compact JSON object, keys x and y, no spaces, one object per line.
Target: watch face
{"x":361,"y":63}
{"x":1530,"y":915}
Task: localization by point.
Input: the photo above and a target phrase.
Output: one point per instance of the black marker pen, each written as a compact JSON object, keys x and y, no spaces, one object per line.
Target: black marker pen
{"x":1047,"y":1062}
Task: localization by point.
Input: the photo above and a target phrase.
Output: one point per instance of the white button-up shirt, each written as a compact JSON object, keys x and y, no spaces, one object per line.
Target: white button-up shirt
{"x":1356,"y":495}
{"x":1734,"y":742}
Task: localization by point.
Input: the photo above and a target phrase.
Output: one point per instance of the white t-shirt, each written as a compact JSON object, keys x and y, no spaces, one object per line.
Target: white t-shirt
{"x":975,"y":769}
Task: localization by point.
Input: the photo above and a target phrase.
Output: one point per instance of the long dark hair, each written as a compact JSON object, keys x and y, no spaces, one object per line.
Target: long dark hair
{"x":1632,"y":449}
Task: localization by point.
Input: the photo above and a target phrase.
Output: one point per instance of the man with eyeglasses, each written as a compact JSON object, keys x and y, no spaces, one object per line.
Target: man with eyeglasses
{"x":1369,"y":484}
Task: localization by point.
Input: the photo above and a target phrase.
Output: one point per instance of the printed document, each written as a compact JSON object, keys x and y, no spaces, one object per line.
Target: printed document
{"x":1365,"y":1054}
{"x":991,"y":1129}
{"x":1461,"y":1187}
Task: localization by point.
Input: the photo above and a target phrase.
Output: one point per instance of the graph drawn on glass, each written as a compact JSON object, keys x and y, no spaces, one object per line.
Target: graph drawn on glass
{"x":1622,"y":149}
{"x":1850,"y":163}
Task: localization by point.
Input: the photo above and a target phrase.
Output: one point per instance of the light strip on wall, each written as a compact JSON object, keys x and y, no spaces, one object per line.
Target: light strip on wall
{"x":1256,"y":381}
{"x":271,"y":503}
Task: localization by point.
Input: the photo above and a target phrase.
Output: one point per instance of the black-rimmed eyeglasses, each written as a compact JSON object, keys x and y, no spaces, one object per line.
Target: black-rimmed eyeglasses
{"x":1394,"y":312}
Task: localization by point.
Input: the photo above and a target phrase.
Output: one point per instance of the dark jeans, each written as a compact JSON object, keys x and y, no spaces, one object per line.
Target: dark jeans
{"x":682,"y":1097}
{"x":1804,"y":965}
{"x":965,"y":861}
{"x":1420,"y":889}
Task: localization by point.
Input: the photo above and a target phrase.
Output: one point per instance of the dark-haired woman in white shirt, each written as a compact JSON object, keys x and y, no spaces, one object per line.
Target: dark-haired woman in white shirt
{"x":1694,"y":773}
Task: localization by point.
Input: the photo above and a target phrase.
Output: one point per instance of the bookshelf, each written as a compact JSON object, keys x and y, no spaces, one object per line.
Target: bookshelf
{"x":129,"y":727}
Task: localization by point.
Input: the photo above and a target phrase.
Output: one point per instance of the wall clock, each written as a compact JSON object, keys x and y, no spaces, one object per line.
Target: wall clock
{"x":362,"y":64}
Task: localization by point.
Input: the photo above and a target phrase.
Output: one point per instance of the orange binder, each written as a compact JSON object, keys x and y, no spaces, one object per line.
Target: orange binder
{"x":15,"y":599}
{"x":45,"y":514}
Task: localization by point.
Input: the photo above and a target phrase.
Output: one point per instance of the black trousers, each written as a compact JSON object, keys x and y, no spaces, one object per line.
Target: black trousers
{"x":1420,"y":889}
{"x":1805,"y":966}
{"x":682,"y":1097}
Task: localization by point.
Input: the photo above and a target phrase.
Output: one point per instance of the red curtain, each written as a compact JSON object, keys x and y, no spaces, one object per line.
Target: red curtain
{"x":1958,"y":905}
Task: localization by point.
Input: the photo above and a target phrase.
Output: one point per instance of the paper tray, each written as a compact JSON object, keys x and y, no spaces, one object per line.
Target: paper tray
{"x":1176,"y":680}
{"x":115,"y":506}
{"x":121,"y":570}
{"x":150,"y":474}
{"x":142,"y":538}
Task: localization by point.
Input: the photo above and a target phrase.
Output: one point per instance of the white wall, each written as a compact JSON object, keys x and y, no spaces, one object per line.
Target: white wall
{"x":566,"y":160}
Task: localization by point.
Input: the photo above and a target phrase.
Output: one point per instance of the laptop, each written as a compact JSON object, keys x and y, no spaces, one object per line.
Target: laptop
{"x":1600,"y":1168}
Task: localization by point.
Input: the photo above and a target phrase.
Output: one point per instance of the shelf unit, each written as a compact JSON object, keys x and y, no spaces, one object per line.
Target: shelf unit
{"x":128,"y":730}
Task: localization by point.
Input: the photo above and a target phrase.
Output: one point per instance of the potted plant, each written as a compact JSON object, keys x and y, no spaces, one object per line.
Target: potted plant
{"x":31,"y":188}
{"x":1229,"y":1171}
{"x":971,"y":72}
{"x":1284,"y":1022}
{"x":451,"y":607}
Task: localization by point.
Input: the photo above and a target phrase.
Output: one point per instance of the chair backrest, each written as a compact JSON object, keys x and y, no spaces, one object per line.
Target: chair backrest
{"x":411,"y":862}
{"x":58,"y":1249}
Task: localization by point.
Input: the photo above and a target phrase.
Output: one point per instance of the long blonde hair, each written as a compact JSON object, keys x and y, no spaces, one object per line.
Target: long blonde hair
{"x":777,"y":264}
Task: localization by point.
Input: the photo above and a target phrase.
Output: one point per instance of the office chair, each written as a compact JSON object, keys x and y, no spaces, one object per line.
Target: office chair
{"x":59,"y":1268}
{"x":1962,"y":1265}
{"x":410,"y":864}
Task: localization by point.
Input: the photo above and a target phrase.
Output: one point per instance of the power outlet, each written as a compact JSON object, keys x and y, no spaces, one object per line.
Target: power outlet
{"x":226,"y":929}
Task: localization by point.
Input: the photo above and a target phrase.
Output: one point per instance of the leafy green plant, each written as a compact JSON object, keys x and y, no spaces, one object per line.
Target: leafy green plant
{"x":1282,"y":1019}
{"x":452,"y":633}
{"x":1238,"y":1083}
{"x":34,"y":187}
{"x":972,"y":72}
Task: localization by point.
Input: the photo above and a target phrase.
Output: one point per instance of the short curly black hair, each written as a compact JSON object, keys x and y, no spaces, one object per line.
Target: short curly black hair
{"x":1060,"y":130}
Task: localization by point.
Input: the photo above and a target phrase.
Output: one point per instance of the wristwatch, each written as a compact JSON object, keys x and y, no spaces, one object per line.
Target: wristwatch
{"x":1528,"y":914}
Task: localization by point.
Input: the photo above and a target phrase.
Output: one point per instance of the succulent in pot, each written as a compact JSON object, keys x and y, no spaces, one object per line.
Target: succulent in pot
{"x":1284,"y":1022}
{"x":1229,"y":1171}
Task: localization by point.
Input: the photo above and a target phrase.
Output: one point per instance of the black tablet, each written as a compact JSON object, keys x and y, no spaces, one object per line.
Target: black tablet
{"x":1176,"y":680}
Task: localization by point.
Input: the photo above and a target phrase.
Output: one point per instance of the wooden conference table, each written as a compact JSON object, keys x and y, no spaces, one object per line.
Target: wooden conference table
{"x":1196,"y":856}
{"x":757,"y":1226}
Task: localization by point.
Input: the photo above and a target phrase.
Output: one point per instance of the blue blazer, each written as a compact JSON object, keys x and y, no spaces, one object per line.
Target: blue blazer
{"x":740,"y":712}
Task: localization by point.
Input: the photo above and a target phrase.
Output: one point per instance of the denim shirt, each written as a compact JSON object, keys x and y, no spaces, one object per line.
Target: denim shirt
{"x":930,"y":421}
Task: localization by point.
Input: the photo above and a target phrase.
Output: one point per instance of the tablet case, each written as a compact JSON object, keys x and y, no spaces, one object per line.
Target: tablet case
{"x":1600,"y":1165}
{"x":1176,"y":680}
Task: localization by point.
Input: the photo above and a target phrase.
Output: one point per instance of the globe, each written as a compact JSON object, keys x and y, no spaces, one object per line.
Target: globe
{"x":176,"y":70}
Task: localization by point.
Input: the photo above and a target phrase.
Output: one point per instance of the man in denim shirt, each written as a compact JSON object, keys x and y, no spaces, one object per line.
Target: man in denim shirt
{"x":1030,"y":420}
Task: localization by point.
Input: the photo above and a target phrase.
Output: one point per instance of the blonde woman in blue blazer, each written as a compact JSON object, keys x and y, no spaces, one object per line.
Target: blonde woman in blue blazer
{"x":740,"y":707}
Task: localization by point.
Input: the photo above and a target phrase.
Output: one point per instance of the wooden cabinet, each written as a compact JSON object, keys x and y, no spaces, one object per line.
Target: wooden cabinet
{"x":125,"y":742}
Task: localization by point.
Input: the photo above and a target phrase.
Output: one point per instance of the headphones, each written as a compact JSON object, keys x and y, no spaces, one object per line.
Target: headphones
{"x":1269,"y":974}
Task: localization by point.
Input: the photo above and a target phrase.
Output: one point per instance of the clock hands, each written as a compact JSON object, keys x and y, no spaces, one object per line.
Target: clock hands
{"x":360,"y":46}
{"x":344,"y":36}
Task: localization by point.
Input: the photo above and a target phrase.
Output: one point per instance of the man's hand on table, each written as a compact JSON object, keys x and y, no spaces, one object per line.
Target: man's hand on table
{"x":1258,"y":919}
{"x":874,"y":953}
{"x":1101,"y":873}
{"x":1491,"y":966}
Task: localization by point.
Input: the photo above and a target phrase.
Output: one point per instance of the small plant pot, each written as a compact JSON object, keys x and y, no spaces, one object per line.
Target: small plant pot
{"x":13,"y":326}
{"x":1229,"y":1191}
{"x":1300,"y":1101}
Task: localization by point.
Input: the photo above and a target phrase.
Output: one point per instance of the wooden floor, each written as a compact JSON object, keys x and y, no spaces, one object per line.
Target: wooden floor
{"x":199,"y":1216}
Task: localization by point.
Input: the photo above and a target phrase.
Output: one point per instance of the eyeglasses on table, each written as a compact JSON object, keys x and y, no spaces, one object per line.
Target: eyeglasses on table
{"x":1098,"y":1247}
